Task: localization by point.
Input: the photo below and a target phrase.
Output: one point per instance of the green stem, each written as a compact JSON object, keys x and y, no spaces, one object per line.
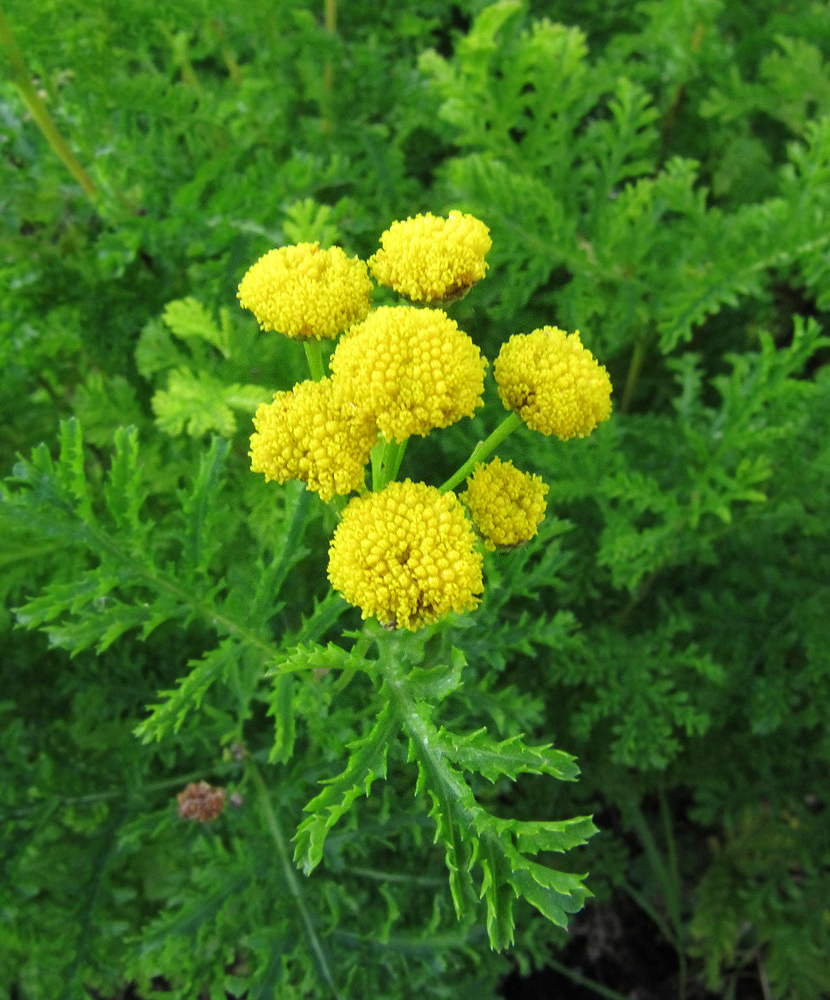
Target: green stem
{"x":289,"y":873}
{"x":37,"y":109}
{"x":314,"y":356}
{"x":668,"y":878}
{"x":387,"y":877}
{"x":397,"y":450}
{"x":483,"y":449}
{"x":330,"y":25}
{"x":386,"y":461}
{"x":650,"y":911}
{"x":674,"y":901}
{"x":633,"y":374}
{"x":584,"y":981}
{"x":359,"y":651}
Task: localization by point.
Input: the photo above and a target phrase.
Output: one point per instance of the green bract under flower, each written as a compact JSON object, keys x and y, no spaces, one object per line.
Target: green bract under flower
{"x":431,"y":259}
{"x":305,"y":292}
{"x":412,"y":369}
{"x":314,"y":435}
{"x":406,"y":556}
{"x":553,"y":383}
{"x":506,"y":505}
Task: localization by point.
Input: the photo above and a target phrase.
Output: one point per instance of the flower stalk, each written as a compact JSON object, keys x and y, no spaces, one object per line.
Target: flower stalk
{"x":314,"y":357}
{"x":510,"y":423}
{"x":40,"y":115}
{"x":386,"y":461}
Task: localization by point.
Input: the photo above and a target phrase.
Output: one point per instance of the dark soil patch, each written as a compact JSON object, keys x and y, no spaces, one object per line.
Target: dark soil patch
{"x":616,"y":951}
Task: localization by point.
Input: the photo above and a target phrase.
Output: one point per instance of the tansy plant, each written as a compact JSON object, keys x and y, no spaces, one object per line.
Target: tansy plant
{"x":408,"y":554}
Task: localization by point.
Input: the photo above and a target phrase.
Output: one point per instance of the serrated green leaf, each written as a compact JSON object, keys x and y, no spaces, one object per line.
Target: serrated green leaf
{"x":202,"y":510}
{"x":478,"y":753}
{"x":470,"y":835}
{"x":499,"y":895}
{"x":199,"y":403}
{"x":554,"y":894}
{"x":156,"y":351}
{"x":447,"y":812}
{"x":246,"y":398}
{"x":66,"y":598}
{"x":189,"y":319}
{"x":167,"y":716}
{"x":69,"y":470}
{"x":367,"y":763}
{"x":122,"y":489}
{"x":193,"y":403}
{"x":281,"y":707}
{"x":306,"y":221}
{"x":103,"y":625}
{"x":550,"y":835}
{"x":437,"y":682}
{"x":313,"y":657}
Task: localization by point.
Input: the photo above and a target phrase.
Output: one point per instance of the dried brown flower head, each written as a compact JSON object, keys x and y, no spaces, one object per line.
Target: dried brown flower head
{"x":201,"y":802}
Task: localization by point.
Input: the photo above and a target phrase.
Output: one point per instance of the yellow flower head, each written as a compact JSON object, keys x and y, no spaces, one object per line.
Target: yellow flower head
{"x":430,"y":259}
{"x":311,"y":433}
{"x":305,"y":292}
{"x":506,"y":505}
{"x":553,"y":383}
{"x":406,"y":556}
{"x":412,"y":369}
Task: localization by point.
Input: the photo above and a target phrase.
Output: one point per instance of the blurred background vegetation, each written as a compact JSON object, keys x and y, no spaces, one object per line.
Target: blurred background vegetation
{"x":654,"y":174}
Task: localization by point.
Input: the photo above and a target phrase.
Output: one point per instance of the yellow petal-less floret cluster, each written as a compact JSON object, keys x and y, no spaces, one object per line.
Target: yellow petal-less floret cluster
{"x":406,"y":556}
{"x":432,"y":259}
{"x":409,"y":554}
{"x":553,"y":383}
{"x":412,"y":369}
{"x":305,"y":292}
{"x":313,"y":434}
{"x":506,"y":505}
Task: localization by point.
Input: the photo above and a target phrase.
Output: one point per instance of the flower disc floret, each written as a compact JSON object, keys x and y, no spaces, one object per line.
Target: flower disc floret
{"x":305,"y":292}
{"x":406,"y":556}
{"x":506,"y":505}
{"x":412,"y":369}
{"x":554,"y":383}
{"x":431,"y":259}
{"x":313,"y":434}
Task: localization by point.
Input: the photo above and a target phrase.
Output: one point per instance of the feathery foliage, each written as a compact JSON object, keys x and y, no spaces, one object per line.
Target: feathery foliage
{"x":401,"y":814}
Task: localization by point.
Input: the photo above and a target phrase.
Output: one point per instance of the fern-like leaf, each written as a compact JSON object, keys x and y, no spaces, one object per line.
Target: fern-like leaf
{"x":367,"y":763}
{"x":167,"y":716}
{"x":471,"y":836}
{"x":189,"y":319}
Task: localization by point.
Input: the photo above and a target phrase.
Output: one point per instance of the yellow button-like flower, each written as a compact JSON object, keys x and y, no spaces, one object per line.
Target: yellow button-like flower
{"x":431,"y":259}
{"x":305,"y":292}
{"x":412,"y":369}
{"x":553,"y":382}
{"x":313,"y":434}
{"x":506,"y":505}
{"x":406,"y":556}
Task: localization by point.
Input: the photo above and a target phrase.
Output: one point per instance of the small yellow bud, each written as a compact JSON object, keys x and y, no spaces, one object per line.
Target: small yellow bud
{"x":506,"y":505}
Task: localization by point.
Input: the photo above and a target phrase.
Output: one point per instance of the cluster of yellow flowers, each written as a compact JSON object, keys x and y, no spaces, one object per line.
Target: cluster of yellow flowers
{"x":405,"y":552}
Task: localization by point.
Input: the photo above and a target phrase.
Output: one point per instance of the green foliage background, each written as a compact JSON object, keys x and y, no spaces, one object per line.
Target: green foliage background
{"x":656,"y":175}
